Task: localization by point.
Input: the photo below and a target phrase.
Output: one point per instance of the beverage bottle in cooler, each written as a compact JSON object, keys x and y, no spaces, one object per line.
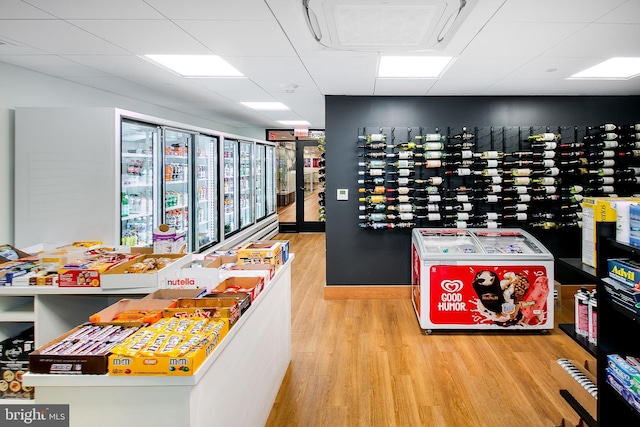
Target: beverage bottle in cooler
{"x":124,"y":204}
{"x":581,"y":312}
{"x":168,"y":172}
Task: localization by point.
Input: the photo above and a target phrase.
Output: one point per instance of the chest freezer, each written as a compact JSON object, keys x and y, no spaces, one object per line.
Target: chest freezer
{"x":481,"y":279}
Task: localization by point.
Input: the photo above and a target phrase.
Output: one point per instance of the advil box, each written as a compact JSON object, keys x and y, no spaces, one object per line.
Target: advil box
{"x":14,"y":362}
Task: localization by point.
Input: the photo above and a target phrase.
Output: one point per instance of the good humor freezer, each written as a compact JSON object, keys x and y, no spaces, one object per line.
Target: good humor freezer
{"x":481,"y":279}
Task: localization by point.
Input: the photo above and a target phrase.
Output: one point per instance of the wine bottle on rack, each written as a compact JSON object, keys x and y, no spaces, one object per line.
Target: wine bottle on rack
{"x":374,"y":155}
{"x":630,"y":128}
{"x":373,"y":137}
{"x":608,"y":136}
{"x":629,"y":154}
{"x":602,"y":163}
{"x":546,"y":181}
{"x":487,"y":163}
{"x":464,"y":135}
{"x":517,"y":207}
{"x":464,"y":207}
{"x":460,"y":146}
{"x":515,"y":216}
{"x":375,"y":146}
{"x":406,"y":207}
{"x":575,"y":171}
{"x":629,"y":137}
{"x":607,"y":127}
{"x":404,"y":181}
{"x":461,"y":172}
{"x":431,"y":137}
{"x":544,"y":163}
{"x":409,"y":190}
{"x":372,"y":172}
{"x":376,"y":207}
{"x":603,"y":171}
{"x":573,"y":162}
{"x":374,"y":181}
{"x":601,"y":154}
{"x":606,"y":145}
{"x":402,"y":172}
{"x":544,"y":145}
{"x":602,"y":189}
{"x":406,"y":155}
{"x":547,"y":154}
{"x":629,"y":145}
{"x":487,"y":180}
{"x":373,"y":164}
{"x":570,"y":145}
{"x":547,"y":136}
{"x":628,"y":180}
{"x":490,"y":155}
{"x":629,"y":171}
{"x":378,"y":189}
{"x":427,"y":146}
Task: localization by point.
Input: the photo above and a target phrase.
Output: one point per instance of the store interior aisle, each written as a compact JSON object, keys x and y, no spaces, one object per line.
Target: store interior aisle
{"x":368,"y":363}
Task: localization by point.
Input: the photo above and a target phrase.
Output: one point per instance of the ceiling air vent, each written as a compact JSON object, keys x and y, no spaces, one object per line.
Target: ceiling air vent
{"x":384,"y":25}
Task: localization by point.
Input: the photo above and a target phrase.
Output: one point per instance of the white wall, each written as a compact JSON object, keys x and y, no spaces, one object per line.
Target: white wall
{"x":23,"y":88}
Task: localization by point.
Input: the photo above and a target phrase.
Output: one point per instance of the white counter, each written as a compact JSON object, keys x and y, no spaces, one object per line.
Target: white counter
{"x":236,"y":386}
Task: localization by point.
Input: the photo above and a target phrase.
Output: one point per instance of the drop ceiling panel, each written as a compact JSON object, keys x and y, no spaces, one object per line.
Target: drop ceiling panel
{"x":109,"y":84}
{"x":552,"y":69}
{"x":216,"y":10}
{"x":519,"y":40}
{"x":143,"y":37}
{"x":627,"y":13}
{"x":342,"y":67}
{"x":544,"y":11}
{"x":83,"y":9}
{"x":17,"y":9}
{"x":465,"y":68}
{"x":604,"y":40}
{"x":572,"y":87}
{"x":403,"y":87}
{"x":56,"y":37}
{"x":300,"y":97}
{"x":271,"y":73}
{"x":50,"y":64}
{"x":235,"y":89}
{"x":240,"y":38}
{"x":346,"y":86}
{"x":122,"y":65}
{"x":459,"y":87}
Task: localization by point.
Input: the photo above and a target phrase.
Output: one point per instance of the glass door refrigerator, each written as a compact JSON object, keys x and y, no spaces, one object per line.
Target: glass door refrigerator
{"x":230,"y":186}
{"x":260,"y":181}
{"x":270,"y":179}
{"x":205,"y":176}
{"x":247,"y":212}
{"x":176,"y":185}
{"x":138,"y":183}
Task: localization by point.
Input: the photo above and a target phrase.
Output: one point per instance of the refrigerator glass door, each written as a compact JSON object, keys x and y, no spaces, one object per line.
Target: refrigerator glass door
{"x":206,"y":192}
{"x":270,"y":180}
{"x":246,"y":184}
{"x":176,"y":183}
{"x":261,"y":210}
{"x":138,"y":186}
{"x":230,"y":186}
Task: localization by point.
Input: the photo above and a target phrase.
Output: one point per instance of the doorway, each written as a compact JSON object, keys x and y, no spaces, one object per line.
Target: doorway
{"x":300,"y":180}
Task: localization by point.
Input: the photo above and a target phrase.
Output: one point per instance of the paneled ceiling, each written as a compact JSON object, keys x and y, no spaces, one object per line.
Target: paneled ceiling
{"x":504,"y":47}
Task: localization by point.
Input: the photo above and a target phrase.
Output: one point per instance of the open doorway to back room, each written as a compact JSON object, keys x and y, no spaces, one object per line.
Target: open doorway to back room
{"x":300,"y":179}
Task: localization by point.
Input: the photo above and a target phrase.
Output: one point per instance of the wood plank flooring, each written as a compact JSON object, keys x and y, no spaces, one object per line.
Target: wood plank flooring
{"x":368,"y":363}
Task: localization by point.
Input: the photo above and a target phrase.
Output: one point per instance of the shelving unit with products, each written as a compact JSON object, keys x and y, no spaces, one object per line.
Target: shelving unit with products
{"x":533,"y":176}
{"x":618,"y":327}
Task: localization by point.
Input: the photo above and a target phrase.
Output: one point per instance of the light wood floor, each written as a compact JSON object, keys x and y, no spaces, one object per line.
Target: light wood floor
{"x":368,"y":363}
{"x":311,"y":213}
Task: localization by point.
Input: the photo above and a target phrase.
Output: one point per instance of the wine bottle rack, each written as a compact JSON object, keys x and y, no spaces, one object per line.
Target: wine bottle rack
{"x":321,"y":172}
{"x":518,"y":176}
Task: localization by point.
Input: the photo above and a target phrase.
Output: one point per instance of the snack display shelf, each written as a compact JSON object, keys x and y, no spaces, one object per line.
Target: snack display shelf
{"x":55,"y":290}
{"x":236,"y":385}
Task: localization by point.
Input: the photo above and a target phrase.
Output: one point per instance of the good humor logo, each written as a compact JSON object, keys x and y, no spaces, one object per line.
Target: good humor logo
{"x":34,"y":415}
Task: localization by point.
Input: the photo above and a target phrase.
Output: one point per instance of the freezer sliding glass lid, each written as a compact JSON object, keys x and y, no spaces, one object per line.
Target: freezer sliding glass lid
{"x":448,"y":241}
{"x":507,"y":242}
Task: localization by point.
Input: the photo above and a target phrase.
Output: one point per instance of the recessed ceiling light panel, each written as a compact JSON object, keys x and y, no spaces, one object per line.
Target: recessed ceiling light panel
{"x":383,"y":25}
{"x":617,"y":68}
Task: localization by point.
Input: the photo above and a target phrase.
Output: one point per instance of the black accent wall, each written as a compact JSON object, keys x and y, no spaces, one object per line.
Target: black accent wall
{"x":357,"y":256}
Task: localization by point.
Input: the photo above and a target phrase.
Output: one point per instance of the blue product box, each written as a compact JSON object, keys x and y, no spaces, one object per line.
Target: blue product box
{"x":634,"y":225}
{"x":626,"y":392}
{"x":624,"y":271}
{"x":623,"y":370}
{"x":623,"y":295}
